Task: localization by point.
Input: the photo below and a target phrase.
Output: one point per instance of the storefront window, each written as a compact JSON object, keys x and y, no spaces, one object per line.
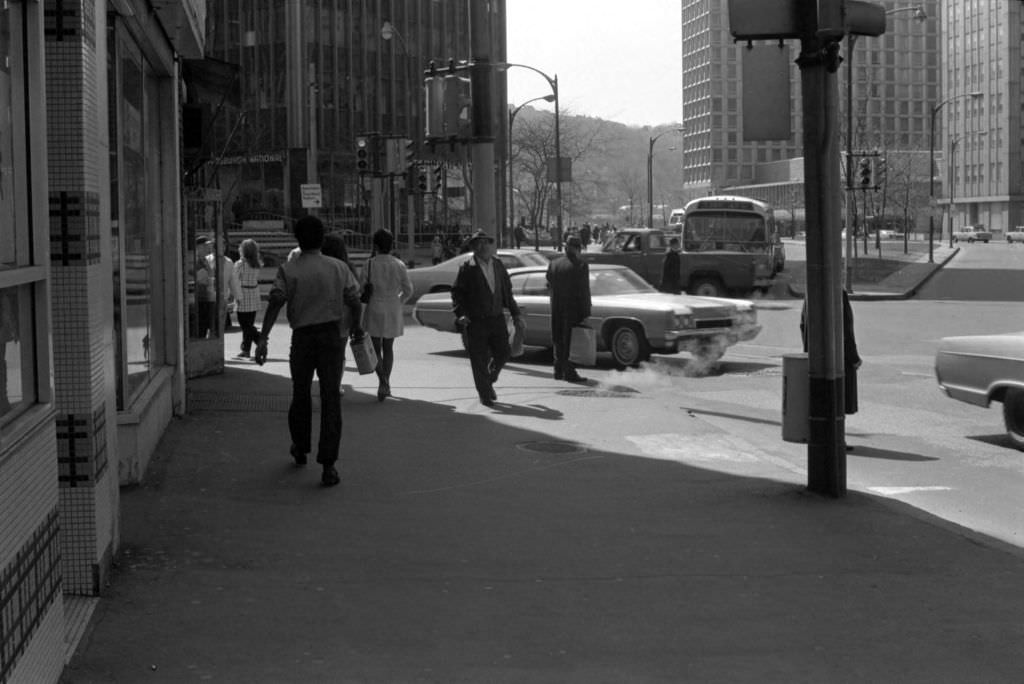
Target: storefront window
{"x":138,"y":182}
{"x":18,"y":280}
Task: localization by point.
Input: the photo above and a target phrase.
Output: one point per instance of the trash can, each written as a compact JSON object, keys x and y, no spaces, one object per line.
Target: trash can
{"x":795,"y":391}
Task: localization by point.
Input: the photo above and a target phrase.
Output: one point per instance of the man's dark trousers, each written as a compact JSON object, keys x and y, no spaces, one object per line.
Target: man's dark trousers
{"x":489,"y":350}
{"x":320,"y":349}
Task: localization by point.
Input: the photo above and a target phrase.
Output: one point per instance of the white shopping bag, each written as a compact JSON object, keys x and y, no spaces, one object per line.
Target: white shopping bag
{"x":363,"y":353}
{"x":583,"y":346}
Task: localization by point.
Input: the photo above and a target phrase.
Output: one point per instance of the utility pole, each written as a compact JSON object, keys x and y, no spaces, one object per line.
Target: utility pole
{"x":485,"y":214}
{"x":826,"y":445}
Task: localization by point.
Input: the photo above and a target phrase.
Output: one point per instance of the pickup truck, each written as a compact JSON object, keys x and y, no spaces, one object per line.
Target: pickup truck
{"x":715,"y":273}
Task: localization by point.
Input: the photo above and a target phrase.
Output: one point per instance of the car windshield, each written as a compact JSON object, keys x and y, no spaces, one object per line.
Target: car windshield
{"x":617,"y":281}
{"x":523,"y":259}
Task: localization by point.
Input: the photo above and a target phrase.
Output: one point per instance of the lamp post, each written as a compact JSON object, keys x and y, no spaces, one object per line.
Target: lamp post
{"x":931,"y":173}
{"x":387,"y":32}
{"x":650,"y":173}
{"x":553,"y":82}
{"x":920,"y":15}
{"x":511,"y":175}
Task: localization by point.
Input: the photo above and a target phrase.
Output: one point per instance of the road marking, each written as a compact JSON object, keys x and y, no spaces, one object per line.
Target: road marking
{"x":896,"y":491}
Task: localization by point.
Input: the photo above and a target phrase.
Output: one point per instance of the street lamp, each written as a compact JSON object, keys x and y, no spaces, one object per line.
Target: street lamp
{"x":511,"y":176}
{"x":931,"y":173}
{"x":650,"y":173}
{"x":388,"y":32}
{"x":553,"y":82}
{"x":851,"y":39}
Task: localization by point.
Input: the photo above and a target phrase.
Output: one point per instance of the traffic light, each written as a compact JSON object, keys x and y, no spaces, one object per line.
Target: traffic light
{"x":422,"y":181}
{"x":438,"y":177}
{"x":409,"y":153}
{"x":864,"y":173}
{"x":880,"y":171}
{"x":363,"y":154}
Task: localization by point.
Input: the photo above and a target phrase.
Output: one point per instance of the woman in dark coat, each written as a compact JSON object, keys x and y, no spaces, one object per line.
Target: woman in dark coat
{"x":851,"y":359}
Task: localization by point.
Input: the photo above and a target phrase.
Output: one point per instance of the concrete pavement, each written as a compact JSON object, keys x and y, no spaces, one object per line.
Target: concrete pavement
{"x":572,"y":534}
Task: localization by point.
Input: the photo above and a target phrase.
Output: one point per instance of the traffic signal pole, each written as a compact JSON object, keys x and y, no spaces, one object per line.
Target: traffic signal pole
{"x":485,"y":196}
{"x":818,"y":62}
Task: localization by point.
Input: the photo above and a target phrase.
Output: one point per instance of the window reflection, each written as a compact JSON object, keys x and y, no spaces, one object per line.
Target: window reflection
{"x":16,"y":356}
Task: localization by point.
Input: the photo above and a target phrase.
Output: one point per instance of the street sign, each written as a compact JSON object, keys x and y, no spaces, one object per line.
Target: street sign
{"x":311,"y":195}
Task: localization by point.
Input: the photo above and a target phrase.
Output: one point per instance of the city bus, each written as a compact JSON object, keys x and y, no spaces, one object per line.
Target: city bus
{"x":726,"y":223}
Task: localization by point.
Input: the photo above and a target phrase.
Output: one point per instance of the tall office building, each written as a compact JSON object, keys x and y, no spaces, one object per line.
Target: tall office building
{"x":314,"y":75}
{"x":981,"y":125}
{"x":894,"y":78}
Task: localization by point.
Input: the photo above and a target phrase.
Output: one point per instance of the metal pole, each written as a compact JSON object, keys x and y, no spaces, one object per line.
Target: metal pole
{"x":931,"y":188}
{"x":851,"y":41}
{"x":650,"y":182}
{"x":558,"y":163}
{"x":952,"y":186}
{"x":826,"y":448}
{"x":511,"y":178}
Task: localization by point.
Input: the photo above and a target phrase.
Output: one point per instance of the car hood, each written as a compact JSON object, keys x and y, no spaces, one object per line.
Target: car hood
{"x":713,"y":306}
{"x":1003,"y":344}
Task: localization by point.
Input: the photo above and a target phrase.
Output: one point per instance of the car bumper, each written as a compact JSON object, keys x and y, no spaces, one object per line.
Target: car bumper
{"x":688,"y":340}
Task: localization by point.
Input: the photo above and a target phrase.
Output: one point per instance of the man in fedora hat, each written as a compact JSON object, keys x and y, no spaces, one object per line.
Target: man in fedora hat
{"x":481,"y":295}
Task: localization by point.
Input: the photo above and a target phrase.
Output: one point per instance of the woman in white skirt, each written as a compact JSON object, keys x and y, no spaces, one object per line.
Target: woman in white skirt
{"x":383,"y":314}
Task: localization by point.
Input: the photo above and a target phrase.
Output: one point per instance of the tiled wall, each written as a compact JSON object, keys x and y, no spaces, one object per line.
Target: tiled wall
{"x":83,"y":373}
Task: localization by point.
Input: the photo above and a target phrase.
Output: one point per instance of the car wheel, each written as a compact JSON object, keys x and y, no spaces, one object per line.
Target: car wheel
{"x":628,"y":345}
{"x":985,"y":241}
{"x":706,"y":287}
{"x":1013,"y":416}
{"x":970,"y":241}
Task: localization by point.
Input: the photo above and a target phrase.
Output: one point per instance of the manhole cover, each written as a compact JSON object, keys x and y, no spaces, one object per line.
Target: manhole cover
{"x":552,"y":447}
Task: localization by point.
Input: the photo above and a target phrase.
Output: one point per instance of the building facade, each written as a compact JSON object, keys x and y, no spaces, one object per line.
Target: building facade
{"x":91,"y":296}
{"x":980,"y":133}
{"x":893,"y":80}
{"x":313,"y":77}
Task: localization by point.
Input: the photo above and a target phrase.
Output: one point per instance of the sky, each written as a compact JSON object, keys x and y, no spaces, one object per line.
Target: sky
{"x":615,"y":60}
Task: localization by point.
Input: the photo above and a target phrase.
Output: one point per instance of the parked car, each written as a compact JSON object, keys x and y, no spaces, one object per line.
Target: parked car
{"x":632,"y":319}
{"x":980,"y":369}
{"x":972,"y":234}
{"x":440,"y":278}
{"x":1016,"y":235}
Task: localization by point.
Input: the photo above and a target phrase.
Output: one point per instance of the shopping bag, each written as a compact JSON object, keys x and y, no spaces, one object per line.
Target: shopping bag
{"x":363,"y":353}
{"x":583,"y":346}
{"x":516,"y":336}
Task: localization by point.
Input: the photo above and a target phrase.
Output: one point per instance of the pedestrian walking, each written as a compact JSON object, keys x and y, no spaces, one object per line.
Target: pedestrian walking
{"x":247,"y":275}
{"x":481,"y":295}
{"x":321,"y":294}
{"x":671,"y":269}
{"x":568,"y":279}
{"x":383,"y":315}
{"x":851,"y":357}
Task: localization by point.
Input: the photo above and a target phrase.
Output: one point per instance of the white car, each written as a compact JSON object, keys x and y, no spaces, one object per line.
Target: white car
{"x":439,"y":278}
{"x":631,"y":318}
{"x":980,"y":369}
{"x":1016,"y":235}
{"x":972,"y":234}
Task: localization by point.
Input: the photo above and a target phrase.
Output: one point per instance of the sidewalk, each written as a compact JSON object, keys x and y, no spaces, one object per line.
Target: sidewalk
{"x":903,"y":283}
{"x":533,"y":543}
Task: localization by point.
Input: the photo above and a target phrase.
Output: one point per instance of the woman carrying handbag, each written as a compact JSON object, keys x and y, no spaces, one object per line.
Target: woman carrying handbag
{"x":386,"y":288}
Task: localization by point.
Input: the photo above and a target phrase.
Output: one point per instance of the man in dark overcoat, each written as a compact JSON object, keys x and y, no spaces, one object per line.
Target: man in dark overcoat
{"x":481,"y":294}
{"x":569,"y":287}
{"x":671,"y":269}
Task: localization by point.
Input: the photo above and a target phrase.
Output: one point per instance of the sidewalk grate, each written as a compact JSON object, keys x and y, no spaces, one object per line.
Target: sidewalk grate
{"x":552,"y":447}
{"x":216,"y":401}
{"x":613,"y":393}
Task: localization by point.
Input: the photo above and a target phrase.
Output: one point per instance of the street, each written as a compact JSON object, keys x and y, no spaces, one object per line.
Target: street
{"x":911,"y":442}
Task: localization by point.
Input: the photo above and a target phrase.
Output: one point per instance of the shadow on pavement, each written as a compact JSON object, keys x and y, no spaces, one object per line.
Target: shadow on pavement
{"x":459,"y":548}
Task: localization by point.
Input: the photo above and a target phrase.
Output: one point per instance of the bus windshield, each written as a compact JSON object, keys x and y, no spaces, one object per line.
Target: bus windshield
{"x":733,"y":231}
